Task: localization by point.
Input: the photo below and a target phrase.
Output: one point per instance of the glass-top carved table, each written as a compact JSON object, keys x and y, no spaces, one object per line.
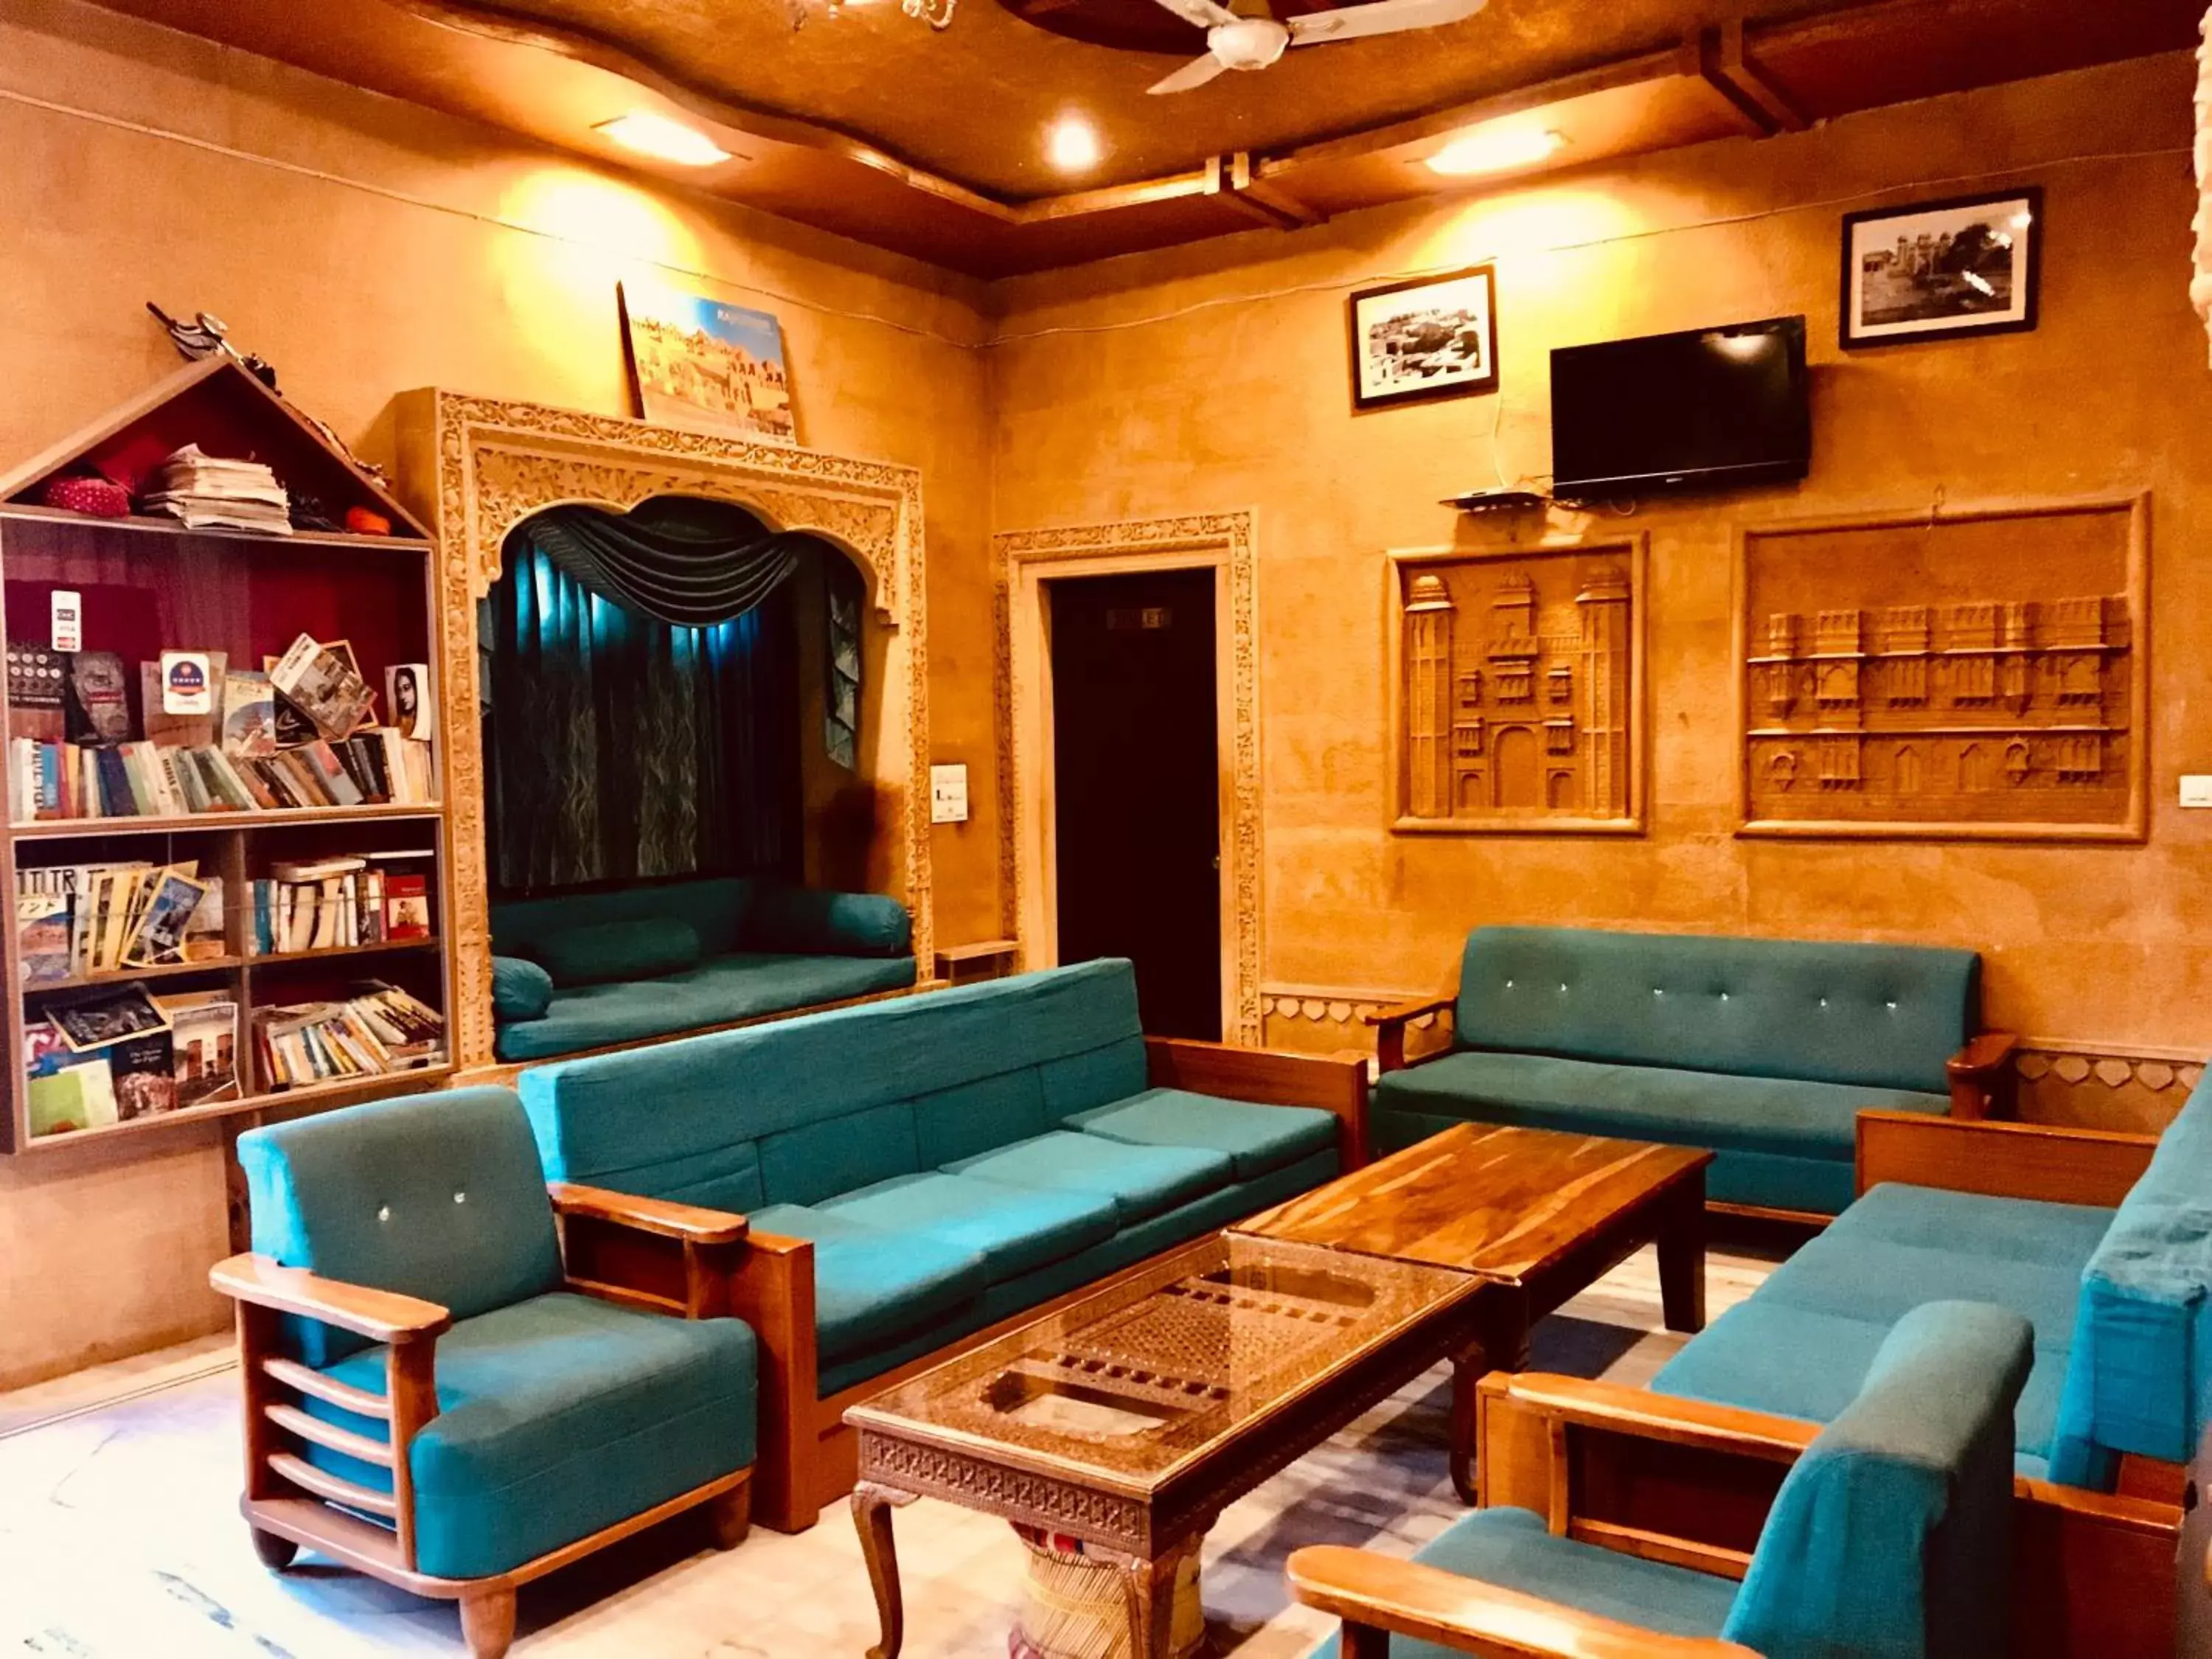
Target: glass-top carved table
{"x":1131,"y":1419}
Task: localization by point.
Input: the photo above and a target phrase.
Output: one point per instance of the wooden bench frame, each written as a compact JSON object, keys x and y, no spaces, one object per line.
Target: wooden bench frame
{"x":643,"y":1253}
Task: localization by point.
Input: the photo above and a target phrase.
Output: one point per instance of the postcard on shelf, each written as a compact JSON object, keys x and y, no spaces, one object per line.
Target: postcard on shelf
{"x":696,"y":362}
{"x":407,"y":697}
{"x":406,"y":907}
{"x":163,"y":921}
{"x":322,"y":683}
{"x":99,"y":706}
{"x":249,"y":713}
{"x":204,"y":1039}
{"x":142,"y":1073}
{"x":206,"y":939}
{"x":95,"y":1022}
{"x":42,"y":937}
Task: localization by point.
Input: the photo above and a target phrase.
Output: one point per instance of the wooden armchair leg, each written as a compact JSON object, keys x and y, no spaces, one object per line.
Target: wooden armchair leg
{"x":277,"y":1552}
{"x":1365,"y":1642}
{"x":487,"y":1622}
{"x":729,"y":1516}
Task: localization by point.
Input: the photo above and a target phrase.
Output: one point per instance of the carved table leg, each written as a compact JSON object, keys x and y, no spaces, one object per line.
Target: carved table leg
{"x":1152,"y":1592}
{"x":1681,"y":1241}
{"x":871,"y":1515}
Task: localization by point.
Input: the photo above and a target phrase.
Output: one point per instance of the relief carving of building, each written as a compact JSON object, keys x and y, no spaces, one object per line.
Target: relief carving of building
{"x":1519,"y":692}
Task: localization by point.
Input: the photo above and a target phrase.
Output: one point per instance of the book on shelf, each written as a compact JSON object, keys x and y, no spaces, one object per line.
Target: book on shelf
{"x":318,"y":905}
{"x":38,"y":681}
{"x":64,"y":781}
{"x":75,"y":920}
{"x":203,"y":1037}
{"x":189,"y":1058}
{"x":323,"y":683}
{"x":212,"y":492}
{"x":377,"y":1030}
{"x":97,"y":705}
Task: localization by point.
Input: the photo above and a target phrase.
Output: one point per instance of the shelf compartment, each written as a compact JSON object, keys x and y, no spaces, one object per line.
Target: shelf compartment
{"x":46,"y":828}
{"x":277,"y":958}
{"x":346,"y":1091}
{"x":347,"y":540}
{"x":124,"y":976}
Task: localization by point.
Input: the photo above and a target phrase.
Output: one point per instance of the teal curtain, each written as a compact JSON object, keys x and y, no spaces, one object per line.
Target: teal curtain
{"x":620,"y":747}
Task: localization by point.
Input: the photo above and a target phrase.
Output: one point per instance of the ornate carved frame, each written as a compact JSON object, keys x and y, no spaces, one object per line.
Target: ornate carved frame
{"x":1224,"y":541}
{"x":477,"y":466}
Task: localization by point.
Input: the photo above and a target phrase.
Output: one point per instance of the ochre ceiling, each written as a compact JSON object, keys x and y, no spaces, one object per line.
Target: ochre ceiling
{"x":972,"y":103}
{"x":874,"y":126}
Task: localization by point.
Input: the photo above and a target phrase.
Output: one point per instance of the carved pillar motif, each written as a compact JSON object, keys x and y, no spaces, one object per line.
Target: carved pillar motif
{"x":1428,"y":698}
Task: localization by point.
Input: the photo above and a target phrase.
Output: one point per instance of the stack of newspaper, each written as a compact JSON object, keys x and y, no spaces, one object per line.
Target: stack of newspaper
{"x":209,"y":492}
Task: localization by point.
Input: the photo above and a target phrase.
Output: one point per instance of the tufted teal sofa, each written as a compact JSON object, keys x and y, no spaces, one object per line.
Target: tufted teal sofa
{"x":583,"y":971}
{"x":1763,"y":1050}
{"x":917,"y":1170}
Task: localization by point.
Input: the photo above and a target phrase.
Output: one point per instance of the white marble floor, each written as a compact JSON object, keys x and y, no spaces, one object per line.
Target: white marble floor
{"x":119,"y":1537}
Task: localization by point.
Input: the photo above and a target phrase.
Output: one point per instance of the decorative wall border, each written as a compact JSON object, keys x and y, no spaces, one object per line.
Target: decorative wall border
{"x":477,"y":466}
{"x":1225,"y":539}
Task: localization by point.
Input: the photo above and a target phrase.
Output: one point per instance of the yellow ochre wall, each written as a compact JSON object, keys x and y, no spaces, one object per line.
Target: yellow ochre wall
{"x":367,"y":246}
{"x":1216,"y":377}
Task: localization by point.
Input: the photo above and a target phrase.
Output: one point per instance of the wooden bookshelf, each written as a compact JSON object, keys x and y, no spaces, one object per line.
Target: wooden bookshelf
{"x":150,"y":584}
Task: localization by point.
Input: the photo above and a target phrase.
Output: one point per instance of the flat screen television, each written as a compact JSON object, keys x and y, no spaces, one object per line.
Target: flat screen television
{"x":1711,"y":408}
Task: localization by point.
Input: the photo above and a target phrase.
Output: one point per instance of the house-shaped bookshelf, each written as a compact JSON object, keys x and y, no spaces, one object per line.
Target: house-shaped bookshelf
{"x":169,"y":781}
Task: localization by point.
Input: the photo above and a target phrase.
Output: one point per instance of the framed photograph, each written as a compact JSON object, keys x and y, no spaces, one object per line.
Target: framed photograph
{"x":1940,"y":269}
{"x":695,"y":362}
{"x":1435,"y":336}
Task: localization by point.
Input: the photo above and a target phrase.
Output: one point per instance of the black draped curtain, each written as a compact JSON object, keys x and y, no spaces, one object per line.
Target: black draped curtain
{"x":642,"y":711}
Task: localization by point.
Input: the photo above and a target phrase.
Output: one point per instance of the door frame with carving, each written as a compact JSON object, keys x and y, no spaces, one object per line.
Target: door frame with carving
{"x":1023,"y":560}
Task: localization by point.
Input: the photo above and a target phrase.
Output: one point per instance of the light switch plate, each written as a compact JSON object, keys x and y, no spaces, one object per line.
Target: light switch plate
{"x":2196,"y":789}
{"x":948,"y":793}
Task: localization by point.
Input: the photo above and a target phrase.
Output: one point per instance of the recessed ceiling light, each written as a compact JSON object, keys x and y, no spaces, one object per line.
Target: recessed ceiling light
{"x":662,"y":139}
{"x":1496,"y":150}
{"x":1072,"y":145}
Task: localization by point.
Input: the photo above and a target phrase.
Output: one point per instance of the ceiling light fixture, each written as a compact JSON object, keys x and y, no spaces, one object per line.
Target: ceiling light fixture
{"x":664,"y":140}
{"x":1496,"y":150}
{"x":1072,"y":145}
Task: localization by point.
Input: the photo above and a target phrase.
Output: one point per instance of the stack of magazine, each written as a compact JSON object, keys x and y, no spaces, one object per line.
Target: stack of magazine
{"x":209,"y":492}
{"x":120,"y":1053}
{"x":75,"y":922}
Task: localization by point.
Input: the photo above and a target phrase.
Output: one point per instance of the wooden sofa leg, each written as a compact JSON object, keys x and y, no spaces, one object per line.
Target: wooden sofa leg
{"x":729,"y":1516}
{"x":277,"y":1552}
{"x":487,"y":1622}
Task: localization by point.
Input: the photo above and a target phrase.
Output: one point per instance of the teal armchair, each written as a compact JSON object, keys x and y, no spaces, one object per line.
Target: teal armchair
{"x":1889,"y":1538}
{"x":458,"y":1379}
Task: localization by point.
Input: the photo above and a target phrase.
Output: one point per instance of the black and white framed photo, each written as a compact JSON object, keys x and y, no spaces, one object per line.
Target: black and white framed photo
{"x":1937,"y":271}
{"x":1434,"y":336}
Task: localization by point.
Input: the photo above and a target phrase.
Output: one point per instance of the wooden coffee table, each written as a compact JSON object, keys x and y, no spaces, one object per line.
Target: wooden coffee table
{"x":1537,"y":1215}
{"x":1131,"y":1419}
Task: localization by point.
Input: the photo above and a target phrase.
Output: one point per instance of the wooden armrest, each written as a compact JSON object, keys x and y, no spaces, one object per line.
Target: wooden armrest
{"x":687,"y":1222}
{"x":379,"y":1315}
{"x":1390,"y":1024}
{"x":1999,"y":1159}
{"x":1412,"y":1599}
{"x":1619,"y":1409}
{"x":1267,"y":1077}
{"x":1981,"y":1076}
{"x":1399,"y":1013}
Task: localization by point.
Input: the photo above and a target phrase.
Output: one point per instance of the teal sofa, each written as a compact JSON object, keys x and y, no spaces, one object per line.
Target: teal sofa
{"x":1763,"y":1050}
{"x":2119,"y":1296}
{"x":1890,"y":1538}
{"x":916,"y":1169}
{"x":422,"y":1351}
{"x":591,"y":970}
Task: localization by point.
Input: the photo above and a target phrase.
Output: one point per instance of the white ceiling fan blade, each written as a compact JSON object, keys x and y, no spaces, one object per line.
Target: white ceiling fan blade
{"x":1200,"y":14}
{"x":1195,"y":73}
{"x":1379,"y":17}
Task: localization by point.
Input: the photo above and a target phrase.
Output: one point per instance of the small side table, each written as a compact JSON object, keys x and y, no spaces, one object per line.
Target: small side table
{"x":988,"y":959}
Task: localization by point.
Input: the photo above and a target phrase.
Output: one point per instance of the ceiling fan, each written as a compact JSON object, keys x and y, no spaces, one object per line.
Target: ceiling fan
{"x":1253,"y":42}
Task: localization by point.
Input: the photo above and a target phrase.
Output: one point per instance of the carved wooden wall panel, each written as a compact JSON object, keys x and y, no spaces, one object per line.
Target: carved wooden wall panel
{"x":1517,"y":687}
{"x":1964,"y":674}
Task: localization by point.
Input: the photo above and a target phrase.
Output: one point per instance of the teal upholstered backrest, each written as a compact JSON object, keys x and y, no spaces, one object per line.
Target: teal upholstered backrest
{"x":714,"y":909}
{"x":436,"y":1195}
{"x":1891,"y":1537}
{"x":801,"y":1109}
{"x":2139,"y":1375}
{"x":1882,"y":1016}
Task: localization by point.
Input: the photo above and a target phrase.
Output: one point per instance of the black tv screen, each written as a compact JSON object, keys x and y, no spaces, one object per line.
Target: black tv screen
{"x":1710,"y":409}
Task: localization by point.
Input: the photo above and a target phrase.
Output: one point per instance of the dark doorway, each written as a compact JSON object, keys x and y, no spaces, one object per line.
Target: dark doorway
{"x":1136,"y":774}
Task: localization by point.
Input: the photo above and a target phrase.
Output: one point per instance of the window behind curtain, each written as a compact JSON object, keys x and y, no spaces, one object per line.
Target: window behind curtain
{"x":619,"y":748}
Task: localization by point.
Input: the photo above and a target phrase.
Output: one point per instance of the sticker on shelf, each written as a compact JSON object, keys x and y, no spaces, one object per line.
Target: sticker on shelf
{"x":187,"y":687}
{"x":68,"y":611}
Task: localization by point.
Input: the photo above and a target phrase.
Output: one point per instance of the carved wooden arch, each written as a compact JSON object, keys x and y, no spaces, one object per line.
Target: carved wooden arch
{"x":1225,"y":541}
{"x":478,"y":466}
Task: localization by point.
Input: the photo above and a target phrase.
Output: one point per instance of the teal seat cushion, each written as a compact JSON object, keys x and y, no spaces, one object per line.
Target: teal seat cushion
{"x":647,"y":947}
{"x":1013,"y":1229}
{"x":871,"y":1288}
{"x":1257,"y":1139}
{"x":519,"y":989}
{"x":1141,"y":1181}
{"x":558,"y":1416}
{"x":1717,"y":1110}
{"x":1802,"y":1343}
{"x":1512,"y":1549}
{"x":2142,"y":1380}
{"x":716,"y":992}
{"x":437,"y":1196}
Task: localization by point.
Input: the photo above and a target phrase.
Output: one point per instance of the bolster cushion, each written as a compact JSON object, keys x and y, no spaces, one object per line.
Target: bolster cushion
{"x":806,"y":921}
{"x":519,"y":989}
{"x":612,"y":951}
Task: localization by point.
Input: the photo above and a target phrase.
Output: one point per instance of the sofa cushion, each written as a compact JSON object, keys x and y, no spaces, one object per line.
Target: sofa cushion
{"x":519,"y":989}
{"x":1142,"y":1181}
{"x":872,"y":1287}
{"x":436,"y":1195}
{"x":1013,"y":1229}
{"x":802,"y":920}
{"x":1877,"y":1015}
{"x":1645,"y":1102}
{"x":609,"y":952}
{"x":559,"y":1415}
{"x":810,"y":1161}
{"x":717,"y":991}
{"x":1257,"y":1139}
{"x":974,"y":1117}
